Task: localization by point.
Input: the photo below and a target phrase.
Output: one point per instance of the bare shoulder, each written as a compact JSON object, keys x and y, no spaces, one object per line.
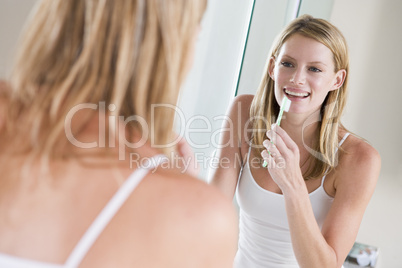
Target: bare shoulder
{"x":199,"y":200}
{"x":359,"y":160}
{"x":360,"y":152}
{"x":200,"y":223}
{"x":204,"y":207}
{"x":3,"y":86}
{"x":240,"y":112}
{"x":246,"y":98}
{"x":4,"y":90}
{"x":243,"y":100}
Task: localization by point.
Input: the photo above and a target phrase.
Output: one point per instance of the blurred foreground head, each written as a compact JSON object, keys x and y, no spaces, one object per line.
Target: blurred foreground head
{"x":129,"y":54}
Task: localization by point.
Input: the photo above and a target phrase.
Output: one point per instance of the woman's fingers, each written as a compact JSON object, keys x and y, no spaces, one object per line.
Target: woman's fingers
{"x":283,"y":138}
{"x":269,"y":160}
{"x":271,"y":148}
{"x":272,"y":157}
{"x":279,"y":145}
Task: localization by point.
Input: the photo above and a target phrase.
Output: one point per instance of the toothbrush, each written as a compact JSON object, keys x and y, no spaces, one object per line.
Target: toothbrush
{"x":285,"y":106}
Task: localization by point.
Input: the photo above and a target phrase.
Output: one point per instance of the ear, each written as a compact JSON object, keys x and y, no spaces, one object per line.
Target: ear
{"x":271,"y":67}
{"x":339,"y":79}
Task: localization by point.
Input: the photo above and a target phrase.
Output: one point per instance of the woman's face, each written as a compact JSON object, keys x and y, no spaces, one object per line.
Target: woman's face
{"x":304,"y":72}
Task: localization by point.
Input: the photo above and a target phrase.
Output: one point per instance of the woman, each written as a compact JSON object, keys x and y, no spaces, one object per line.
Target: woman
{"x":304,"y":209}
{"x":80,"y":136}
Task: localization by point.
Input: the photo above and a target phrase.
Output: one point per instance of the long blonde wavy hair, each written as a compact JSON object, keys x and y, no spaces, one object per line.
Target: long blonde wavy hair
{"x":129,"y":53}
{"x":264,"y":107}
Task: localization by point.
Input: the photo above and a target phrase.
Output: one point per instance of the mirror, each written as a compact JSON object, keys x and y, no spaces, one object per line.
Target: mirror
{"x":373,"y":107}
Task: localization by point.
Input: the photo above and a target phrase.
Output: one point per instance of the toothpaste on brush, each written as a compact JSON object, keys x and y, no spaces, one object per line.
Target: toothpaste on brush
{"x":285,"y":106}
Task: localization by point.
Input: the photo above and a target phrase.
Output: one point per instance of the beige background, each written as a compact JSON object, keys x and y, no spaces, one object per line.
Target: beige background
{"x":373,"y":31}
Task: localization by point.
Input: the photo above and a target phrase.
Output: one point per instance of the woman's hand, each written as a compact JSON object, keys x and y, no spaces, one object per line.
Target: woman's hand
{"x":283,"y":157}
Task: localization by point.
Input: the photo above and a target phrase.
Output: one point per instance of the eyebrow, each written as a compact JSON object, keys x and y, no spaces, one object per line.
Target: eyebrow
{"x":312,"y":62}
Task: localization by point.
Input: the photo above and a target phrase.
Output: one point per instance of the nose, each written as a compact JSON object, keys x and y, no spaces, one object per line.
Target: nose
{"x":298,"y":77}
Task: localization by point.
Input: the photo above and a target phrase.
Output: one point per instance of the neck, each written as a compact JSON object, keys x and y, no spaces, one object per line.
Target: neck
{"x":302,"y":128}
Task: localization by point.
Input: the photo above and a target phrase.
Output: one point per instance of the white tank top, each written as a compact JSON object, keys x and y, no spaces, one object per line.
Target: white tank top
{"x":96,"y":228}
{"x":264,"y":238}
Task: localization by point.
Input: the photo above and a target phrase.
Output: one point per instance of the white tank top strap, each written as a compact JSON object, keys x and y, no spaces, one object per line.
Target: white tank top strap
{"x":108,"y":212}
{"x":336,"y":150}
{"x":245,"y":160}
{"x":343,"y":139}
{"x":247,"y":155}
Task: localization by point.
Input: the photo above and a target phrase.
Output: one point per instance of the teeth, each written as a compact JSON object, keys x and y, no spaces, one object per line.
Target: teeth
{"x":296,"y":93}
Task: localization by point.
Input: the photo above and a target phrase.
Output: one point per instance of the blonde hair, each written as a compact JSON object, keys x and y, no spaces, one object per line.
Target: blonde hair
{"x":129,"y":53}
{"x":264,"y":107}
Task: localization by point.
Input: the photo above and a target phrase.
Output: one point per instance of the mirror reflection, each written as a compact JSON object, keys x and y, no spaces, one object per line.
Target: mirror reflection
{"x":373,"y":40}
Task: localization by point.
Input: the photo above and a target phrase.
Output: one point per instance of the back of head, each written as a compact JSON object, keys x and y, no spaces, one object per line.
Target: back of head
{"x":128,"y":53}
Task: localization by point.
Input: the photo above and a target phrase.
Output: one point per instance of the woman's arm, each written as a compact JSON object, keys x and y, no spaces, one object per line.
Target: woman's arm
{"x":230,"y":155}
{"x":355,"y":180}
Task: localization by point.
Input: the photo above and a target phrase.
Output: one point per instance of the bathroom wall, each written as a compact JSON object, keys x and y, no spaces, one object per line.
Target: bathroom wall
{"x":374,"y":110}
{"x":372,"y":29}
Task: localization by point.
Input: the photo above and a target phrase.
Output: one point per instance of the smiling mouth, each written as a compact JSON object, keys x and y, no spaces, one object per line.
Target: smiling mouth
{"x":291,"y":93}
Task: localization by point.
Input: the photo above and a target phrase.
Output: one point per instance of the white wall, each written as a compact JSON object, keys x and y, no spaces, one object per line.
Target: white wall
{"x":372,"y":29}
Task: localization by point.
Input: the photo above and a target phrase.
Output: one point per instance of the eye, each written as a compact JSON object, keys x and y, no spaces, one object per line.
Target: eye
{"x":286,"y":64}
{"x":314,"y":69}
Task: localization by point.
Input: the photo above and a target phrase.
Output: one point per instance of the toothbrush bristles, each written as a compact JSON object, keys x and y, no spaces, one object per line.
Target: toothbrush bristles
{"x":286,"y":104}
